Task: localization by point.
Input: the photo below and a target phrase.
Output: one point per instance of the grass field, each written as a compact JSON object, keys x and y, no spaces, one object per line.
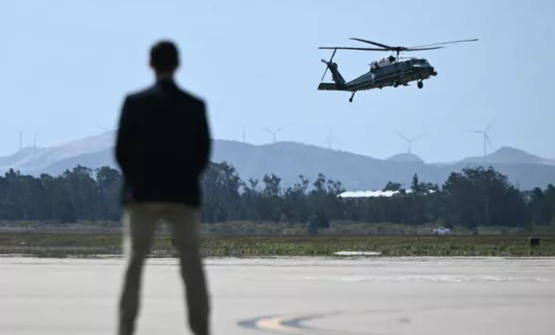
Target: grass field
{"x":281,"y":228}
{"x":70,"y":245}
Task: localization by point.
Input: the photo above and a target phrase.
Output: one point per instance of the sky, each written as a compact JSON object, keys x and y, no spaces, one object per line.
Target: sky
{"x":66,"y":66}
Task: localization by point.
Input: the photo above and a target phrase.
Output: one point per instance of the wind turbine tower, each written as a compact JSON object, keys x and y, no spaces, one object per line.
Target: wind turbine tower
{"x":410,"y":140}
{"x":20,"y":140}
{"x":330,"y":140}
{"x":486,"y":137}
{"x":35,"y":139}
{"x":274,"y":133}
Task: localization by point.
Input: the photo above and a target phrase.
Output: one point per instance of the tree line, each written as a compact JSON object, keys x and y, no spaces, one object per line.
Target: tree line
{"x":472,"y":197}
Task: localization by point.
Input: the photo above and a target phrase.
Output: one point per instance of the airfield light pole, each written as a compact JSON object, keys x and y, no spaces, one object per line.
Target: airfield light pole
{"x":486,"y":200}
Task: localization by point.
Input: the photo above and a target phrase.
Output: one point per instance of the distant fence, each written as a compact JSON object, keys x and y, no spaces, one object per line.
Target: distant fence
{"x":118,"y":231}
{"x":208,"y":230}
{"x":84,"y":231}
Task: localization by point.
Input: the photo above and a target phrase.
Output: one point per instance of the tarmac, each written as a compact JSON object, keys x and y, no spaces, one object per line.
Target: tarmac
{"x":368,"y":295}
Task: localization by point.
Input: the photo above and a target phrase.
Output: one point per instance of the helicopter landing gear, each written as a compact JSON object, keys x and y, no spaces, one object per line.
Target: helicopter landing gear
{"x":352,"y":96}
{"x":420,"y":84}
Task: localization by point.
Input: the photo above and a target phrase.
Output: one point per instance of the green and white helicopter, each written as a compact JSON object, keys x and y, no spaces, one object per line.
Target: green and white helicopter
{"x":393,"y":70}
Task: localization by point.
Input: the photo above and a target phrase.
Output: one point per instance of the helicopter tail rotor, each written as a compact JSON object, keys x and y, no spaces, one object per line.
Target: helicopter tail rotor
{"x":328,"y":63}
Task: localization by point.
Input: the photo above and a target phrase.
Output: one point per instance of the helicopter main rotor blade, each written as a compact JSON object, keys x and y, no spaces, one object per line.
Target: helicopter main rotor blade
{"x":348,"y":48}
{"x":374,"y":43}
{"x":420,"y":49}
{"x":442,"y":43}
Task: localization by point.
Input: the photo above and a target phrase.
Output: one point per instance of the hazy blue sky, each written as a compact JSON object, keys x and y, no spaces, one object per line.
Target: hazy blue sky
{"x":66,"y":65}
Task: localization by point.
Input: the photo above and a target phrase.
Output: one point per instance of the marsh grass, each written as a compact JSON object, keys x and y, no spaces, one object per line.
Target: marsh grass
{"x":87,"y":245}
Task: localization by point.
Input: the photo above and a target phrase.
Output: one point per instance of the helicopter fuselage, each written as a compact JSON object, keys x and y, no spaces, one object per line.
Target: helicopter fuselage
{"x":389,"y":71}
{"x":382,"y":74}
{"x":398,"y":72}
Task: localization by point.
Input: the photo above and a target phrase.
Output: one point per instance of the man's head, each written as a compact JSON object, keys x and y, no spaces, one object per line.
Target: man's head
{"x":164,"y":58}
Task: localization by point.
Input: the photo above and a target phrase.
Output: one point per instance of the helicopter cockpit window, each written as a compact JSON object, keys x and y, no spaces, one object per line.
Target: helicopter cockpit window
{"x":418,"y":62}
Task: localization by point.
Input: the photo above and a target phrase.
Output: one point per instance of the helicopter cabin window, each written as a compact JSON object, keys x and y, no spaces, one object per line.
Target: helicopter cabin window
{"x":385,"y":70}
{"x":403,"y":66}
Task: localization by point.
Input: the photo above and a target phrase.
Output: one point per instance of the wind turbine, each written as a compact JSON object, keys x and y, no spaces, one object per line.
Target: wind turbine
{"x":330,"y":140}
{"x":211,"y":116}
{"x":486,"y":137}
{"x":274,"y":133}
{"x":35,"y":139}
{"x":104,"y":128}
{"x":410,"y":140}
{"x":244,"y":135}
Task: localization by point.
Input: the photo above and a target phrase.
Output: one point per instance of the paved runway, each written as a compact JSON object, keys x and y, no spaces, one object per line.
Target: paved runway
{"x":290,"y":296}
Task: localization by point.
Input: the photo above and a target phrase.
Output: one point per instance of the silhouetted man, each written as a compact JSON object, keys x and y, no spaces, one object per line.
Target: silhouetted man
{"x":163,"y":146}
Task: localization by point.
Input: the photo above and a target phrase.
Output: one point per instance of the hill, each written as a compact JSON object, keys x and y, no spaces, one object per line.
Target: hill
{"x":288,"y":160}
{"x":39,"y":160}
{"x":405,"y":157}
{"x":507,"y":155}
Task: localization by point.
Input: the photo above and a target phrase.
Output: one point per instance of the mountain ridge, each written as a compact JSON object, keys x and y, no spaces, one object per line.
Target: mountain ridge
{"x":288,"y":160}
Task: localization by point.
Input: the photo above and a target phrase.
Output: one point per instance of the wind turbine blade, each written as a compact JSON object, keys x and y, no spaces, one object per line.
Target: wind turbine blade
{"x":271,"y":132}
{"x":406,"y":139}
{"x":281,"y":128}
{"x":491,"y":124}
{"x":417,"y":138}
{"x":489,"y":141}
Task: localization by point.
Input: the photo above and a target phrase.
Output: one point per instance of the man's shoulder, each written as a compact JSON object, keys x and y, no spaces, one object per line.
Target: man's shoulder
{"x":150,"y":92}
{"x":192,"y":97}
{"x":139,"y":94}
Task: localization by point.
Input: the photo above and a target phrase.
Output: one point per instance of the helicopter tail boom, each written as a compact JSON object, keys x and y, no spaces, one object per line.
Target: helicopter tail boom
{"x":328,"y":87}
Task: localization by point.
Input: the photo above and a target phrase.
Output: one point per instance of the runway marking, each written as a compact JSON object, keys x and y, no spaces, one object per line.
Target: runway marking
{"x":277,"y":323}
{"x":281,"y":323}
{"x":294,"y":324}
{"x":290,"y":324}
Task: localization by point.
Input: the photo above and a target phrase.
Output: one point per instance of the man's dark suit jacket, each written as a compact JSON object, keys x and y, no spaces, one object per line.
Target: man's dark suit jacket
{"x":163,"y":145}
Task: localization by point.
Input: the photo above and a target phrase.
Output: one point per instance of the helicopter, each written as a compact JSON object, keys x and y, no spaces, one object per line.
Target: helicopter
{"x":390,"y":71}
